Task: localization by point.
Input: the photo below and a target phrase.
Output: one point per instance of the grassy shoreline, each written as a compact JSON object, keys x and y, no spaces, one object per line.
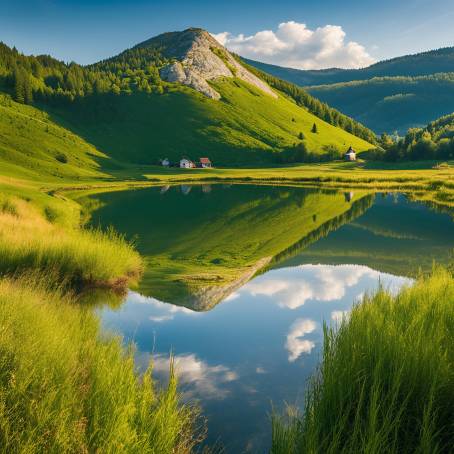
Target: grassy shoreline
{"x":427,"y":183}
{"x":32,"y":240}
{"x":64,"y":387}
{"x":386,"y":380}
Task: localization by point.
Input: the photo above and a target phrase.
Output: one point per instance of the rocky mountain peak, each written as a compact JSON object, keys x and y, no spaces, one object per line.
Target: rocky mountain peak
{"x":199,"y":58}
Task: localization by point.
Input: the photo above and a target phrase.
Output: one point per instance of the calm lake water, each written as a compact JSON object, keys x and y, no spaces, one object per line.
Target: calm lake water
{"x":240,"y":280}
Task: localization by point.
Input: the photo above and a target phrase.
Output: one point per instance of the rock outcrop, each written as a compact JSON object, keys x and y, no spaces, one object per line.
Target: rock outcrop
{"x":199,"y":58}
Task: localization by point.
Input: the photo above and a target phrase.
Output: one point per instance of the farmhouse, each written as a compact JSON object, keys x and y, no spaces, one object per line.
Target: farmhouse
{"x":165,"y":162}
{"x":205,"y":163}
{"x":350,"y":155}
{"x":186,"y":164}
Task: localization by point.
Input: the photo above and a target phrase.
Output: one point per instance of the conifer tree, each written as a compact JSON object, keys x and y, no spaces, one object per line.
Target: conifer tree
{"x":314,"y":128}
{"x":19,"y":86}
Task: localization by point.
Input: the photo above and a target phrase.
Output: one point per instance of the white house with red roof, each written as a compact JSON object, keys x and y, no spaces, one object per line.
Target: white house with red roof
{"x":205,"y":163}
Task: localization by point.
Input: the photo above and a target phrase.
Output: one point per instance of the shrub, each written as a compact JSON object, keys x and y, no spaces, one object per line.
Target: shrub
{"x":61,"y":157}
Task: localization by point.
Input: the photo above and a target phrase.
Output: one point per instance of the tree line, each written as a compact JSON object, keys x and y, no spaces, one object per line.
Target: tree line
{"x":45,"y":78}
{"x":434,"y":142}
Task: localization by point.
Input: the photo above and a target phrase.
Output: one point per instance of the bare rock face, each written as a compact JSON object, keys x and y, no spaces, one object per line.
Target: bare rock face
{"x":176,"y":72}
{"x":200,"y":58}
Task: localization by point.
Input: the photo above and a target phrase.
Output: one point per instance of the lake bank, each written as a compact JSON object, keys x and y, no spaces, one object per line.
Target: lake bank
{"x":421,"y":179}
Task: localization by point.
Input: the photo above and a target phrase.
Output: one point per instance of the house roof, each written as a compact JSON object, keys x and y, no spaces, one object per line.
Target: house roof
{"x":350,"y":151}
{"x":205,"y":161}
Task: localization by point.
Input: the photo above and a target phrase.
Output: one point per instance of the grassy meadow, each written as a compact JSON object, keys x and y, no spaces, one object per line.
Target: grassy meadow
{"x":30,"y":241}
{"x":33,"y":147}
{"x":385,"y":383}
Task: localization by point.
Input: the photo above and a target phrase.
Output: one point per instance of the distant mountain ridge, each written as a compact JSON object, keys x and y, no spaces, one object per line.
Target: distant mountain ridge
{"x":412,"y":65}
{"x":392,"y":95}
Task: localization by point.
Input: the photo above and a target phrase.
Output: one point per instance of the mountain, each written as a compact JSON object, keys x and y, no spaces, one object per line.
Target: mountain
{"x":420,"y":64}
{"x":391,"y":95}
{"x":177,"y":94}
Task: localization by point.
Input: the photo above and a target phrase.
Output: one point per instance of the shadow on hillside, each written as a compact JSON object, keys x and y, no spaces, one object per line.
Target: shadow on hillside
{"x":139,"y":129}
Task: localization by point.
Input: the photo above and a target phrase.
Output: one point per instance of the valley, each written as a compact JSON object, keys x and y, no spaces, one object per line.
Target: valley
{"x":146,"y":308}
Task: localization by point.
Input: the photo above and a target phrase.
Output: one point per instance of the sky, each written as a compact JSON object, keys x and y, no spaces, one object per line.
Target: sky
{"x":295,"y":33}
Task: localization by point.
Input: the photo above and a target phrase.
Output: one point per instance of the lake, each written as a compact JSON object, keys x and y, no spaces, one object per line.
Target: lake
{"x":240,"y":279}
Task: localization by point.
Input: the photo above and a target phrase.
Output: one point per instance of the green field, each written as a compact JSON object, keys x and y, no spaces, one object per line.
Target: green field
{"x":32,"y":146}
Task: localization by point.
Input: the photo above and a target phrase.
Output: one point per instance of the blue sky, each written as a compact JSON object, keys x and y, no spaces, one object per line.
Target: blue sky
{"x":86,"y":31}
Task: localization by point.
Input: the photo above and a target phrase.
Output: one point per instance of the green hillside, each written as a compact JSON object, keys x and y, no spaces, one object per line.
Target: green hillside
{"x":33,"y":146}
{"x":389,"y":96}
{"x":435,"y":141}
{"x":244,"y":127}
{"x":125,"y":109}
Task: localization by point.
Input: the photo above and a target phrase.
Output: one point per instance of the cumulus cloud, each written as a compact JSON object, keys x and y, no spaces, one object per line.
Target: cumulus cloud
{"x":293,"y":287}
{"x":296,"y":345}
{"x":196,"y":377}
{"x":296,"y":46}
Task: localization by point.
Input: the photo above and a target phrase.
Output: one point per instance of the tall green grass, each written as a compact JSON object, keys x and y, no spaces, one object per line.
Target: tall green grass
{"x":386,"y":382}
{"x":29,"y":240}
{"x":65,"y":388}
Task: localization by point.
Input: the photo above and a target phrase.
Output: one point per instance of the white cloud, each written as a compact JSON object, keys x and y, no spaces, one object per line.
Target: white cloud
{"x":196,"y":377}
{"x":296,"y":344}
{"x":161,"y":312}
{"x":296,"y":46}
{"x":292,"y":287}
{"x":160,"y":318}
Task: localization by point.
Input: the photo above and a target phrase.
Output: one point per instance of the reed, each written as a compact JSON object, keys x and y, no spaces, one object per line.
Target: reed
{"x":66,"y":388}
{"x":386,"y":381}
{"x":30,"y":241}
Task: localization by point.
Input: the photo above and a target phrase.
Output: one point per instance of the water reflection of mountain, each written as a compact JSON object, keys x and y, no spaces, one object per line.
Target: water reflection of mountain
{"x":394,"y":236}
{"x":200,"y":245}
